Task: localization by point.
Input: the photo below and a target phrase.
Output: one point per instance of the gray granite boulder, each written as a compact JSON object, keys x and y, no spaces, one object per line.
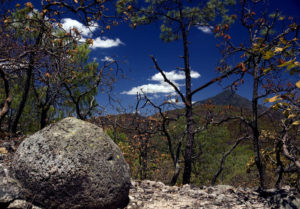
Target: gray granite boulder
{"x":72,"y":164}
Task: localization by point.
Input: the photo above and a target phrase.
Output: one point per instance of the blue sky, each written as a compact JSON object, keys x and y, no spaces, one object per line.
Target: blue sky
{"x":132,"y":48}
{"x":144,"y":40}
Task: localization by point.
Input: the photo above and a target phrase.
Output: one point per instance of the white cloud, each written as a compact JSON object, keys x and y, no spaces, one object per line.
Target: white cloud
{"x":206,"y":29}
{"x":150,"y":89}
{"x":87,"y":32}
{"x":161,"y":86}
{"x":107,"y":59}
{"x":173,"y":76}
{"x":106,"y":43}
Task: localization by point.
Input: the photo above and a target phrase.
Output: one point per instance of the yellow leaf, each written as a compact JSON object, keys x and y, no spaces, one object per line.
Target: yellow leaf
{"x":278,"y":49}
{"x":274,"y":99}
{"x":29,"y":5}
{"x":47,"y":75}
{"x":283,"y":40}
{"x":268,"y":55}
{"x":298,"y":84}
{"x":89,"y":41}
{"x":286,"y":63}
{"x":296,"y":123}
{"x":76,"y":1}
{"x":275,"y":107}
{"x":108,"y":27}
{"x":291,"y":116}
{"x":267,"y":70}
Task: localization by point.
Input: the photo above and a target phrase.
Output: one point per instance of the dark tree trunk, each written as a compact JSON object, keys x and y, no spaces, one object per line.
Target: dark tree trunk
{"x":280,"y":168}
{"x":177,"y":167}
{"x":145,"y":162}
{"x":29,"y":72}
{"x":188,"y":103}
{"x":8,"y":99}
{"x":255,"y":130}
{"x":78,"y":112}
{"x":24,"y":96}
{"x":44,"y":118}
{"x":176,"y":174}
{"x":189,"y":147}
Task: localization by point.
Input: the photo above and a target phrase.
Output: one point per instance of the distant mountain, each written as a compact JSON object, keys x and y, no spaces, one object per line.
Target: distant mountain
{"x":229,"y":97}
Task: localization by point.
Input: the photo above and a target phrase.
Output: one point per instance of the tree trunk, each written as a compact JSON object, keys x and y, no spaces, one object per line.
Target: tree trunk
{"x":188,"y":103}
{"x":44,"y":118}
{"x":177,"y":167}
{"x":29,"y":72}
{"x":280,"y":169}
{"x":176,"y":174}
{"x":189,"y":147}
{"x":24,"y":96}
{"x":255,"y":130}
{"x":8,"y":99}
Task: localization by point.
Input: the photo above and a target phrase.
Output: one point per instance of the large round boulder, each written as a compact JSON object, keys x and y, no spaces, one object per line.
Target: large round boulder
{"x":70,"y":165}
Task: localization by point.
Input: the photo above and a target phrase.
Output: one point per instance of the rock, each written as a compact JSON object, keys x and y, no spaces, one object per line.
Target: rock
{"x":219,"y":196}
{"x":283,"y":199}
{"x":19,"y":204}
{"x":72,"y":164}
{"x":3,"y":150}
{"x":10,"y":189}
{"x":9,"y":146}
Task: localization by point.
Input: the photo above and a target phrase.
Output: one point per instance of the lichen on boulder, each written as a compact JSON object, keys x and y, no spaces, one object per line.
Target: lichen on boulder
{"x":72,"y":164}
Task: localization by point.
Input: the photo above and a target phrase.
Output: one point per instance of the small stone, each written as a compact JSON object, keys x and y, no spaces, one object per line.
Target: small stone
{"x":3,"y":150}
{"x":19,"y":204}
{"x":221,"y":197}
{"x":10,"y":146}
{"x":36,"y":207}
{"x":9,"y":187}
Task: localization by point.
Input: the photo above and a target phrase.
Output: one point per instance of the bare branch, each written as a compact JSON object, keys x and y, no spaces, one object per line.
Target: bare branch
{"x":217,"y":79}
{"x":167,"y":80}
{"x":237,"y":142}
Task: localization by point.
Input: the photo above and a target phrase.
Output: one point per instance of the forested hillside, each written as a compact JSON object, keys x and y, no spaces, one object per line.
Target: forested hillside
{"x":147,"y":149}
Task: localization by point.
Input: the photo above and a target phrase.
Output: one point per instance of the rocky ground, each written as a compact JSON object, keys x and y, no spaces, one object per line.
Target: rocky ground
{"x":150,"y":194}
